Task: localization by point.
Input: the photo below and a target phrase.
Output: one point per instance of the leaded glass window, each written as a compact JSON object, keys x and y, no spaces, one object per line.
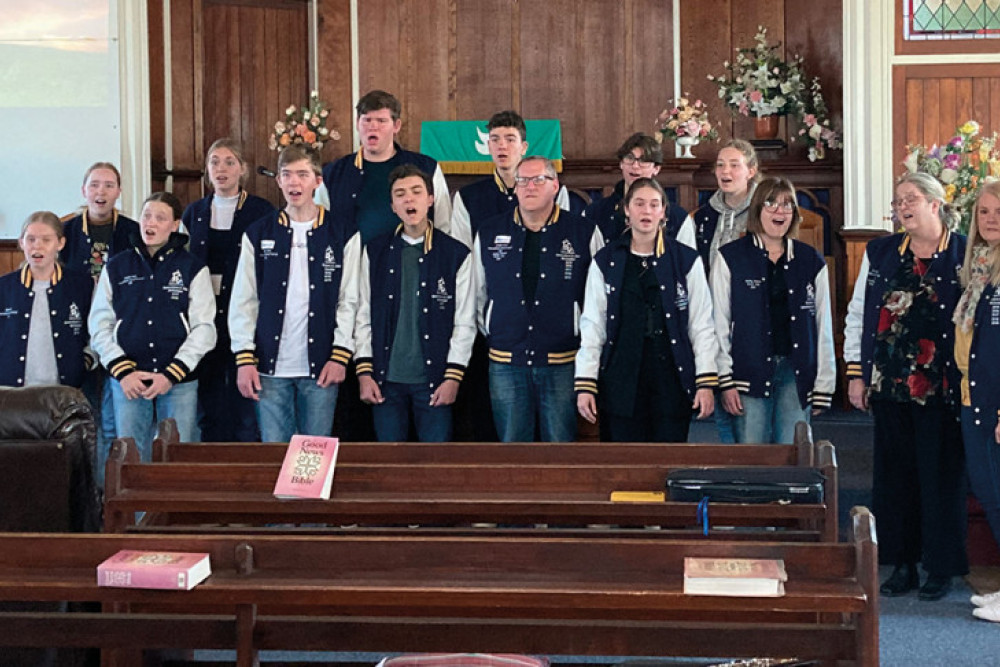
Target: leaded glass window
{"x":951,"y":19}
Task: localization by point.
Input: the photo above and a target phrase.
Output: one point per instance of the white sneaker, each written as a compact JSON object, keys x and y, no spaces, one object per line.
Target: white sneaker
{"x":988,"y":613}
{"x":985,"y":600}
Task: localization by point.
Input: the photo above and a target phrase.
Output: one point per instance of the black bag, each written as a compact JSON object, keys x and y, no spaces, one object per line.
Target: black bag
{"x":746,"y":485}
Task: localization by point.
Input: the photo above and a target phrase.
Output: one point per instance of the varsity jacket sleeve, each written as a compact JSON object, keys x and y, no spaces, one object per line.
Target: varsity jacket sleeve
{"x":321,"y":197}
{"x":722,"y":312}
{"x":562,"y":199}
{"x":596,"y":241}
{"x":686,"y":234}
{"x":244,"y":306}
{"x":463,"y":333}
{"x":442,"y":203}
{"x":363,"y":327}
{"x":102,"y":324}
{"x":201,"y":336}
{"x":854,"y":323}
{"x":347,"y":302}
{"x":701,"y":328}
{"x":461,"y":222}
{"x":480,"y":286}
{"x":593,"y":331}
{"x":826,"y":364}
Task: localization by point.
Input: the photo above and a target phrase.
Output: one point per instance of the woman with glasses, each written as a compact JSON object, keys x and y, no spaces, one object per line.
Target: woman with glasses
{"x":639,"y":157}
{"x":898,"y":350}
{"x":772,"y":315}
{"x":977,"y":354}
{"x":647,"y":344}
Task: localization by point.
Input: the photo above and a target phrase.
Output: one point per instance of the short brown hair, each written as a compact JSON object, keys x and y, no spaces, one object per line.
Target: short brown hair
{"x":297,"y":152}
{"x":102,"y":165}
{"x":651,"y":149}
{"x":374,"y":100}
{"x":768,"y":190}
{"x":407,"y":170}
{"x":508,"y":118}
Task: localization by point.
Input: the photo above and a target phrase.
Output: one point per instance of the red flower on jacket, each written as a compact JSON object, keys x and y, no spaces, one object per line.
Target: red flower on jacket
{"x":885,"y":320}
{"x":918,"y":384}
{"x":927,"y":349}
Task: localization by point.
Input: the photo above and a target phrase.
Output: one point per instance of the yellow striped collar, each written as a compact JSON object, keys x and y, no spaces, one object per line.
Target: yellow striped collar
{"x":758,"y":241}
{"x":86,"y":222}
{"x":27,"y":279}
{"x":428,"y":235}
{"x":552,"y":219}
{"x":284,"y":220}
{"x":942,"y":243}
{"x":501,"y":186}
{"x":243,"y":199}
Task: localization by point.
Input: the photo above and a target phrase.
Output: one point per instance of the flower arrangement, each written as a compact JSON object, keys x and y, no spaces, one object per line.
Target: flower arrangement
{"x":303,"y":125}
{"x":967,"y":160}
{"x":685,"y":119}
{"x":762,"y":83}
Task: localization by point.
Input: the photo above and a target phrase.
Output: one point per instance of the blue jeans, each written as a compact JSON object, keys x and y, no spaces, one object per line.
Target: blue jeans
{"x":724,"y":422}
{"x":392,"y":417}
{"x":524,"y":395}
{"x":772,"y":419}
{"x":137,"y":418}
{"x":290,"y":406}
{"x":982,"y":459}
{"x":97,"y":389}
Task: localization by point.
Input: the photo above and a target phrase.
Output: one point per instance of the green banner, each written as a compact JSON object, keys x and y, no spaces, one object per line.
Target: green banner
{"x":462,"y":146}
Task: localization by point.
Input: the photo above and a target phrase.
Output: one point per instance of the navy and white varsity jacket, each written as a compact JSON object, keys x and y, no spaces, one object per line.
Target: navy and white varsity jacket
{"x":77,"y":252}
{"x":547,"y":331}
{"x":485,"y":199}
{"x":687,"y":306}
{"x":743,"y":321}
{"x":69,"y":295}
{"x":609,"y":215}
{"x":984,"y":359}
{"x":256,"y":311}
{"x":154,"y":314}
{"x":881,"y":261}
{"x":446,"y":297}
{"x":197,"y":220}
{"x":345,"y":177}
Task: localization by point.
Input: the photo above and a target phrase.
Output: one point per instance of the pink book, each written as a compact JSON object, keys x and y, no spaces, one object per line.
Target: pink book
{"x":307,"y":471}
{"x":154,"y":569}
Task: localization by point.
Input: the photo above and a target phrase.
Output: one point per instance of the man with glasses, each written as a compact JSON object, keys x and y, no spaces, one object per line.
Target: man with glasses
{"x":531,"y":268}
{"x":639,"y":157}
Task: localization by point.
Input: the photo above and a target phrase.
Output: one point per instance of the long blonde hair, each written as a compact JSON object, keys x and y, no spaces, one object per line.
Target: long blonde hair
{"x":975,"y":238}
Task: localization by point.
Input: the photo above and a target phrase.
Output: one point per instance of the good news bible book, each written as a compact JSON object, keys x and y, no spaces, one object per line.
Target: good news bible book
{"x":737,"y":577}
{"x":165,"y":570}
{"x":307,"y":471}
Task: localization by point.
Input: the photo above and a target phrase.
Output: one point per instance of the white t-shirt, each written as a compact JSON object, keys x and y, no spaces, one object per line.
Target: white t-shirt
{"x":293,"y":349}
{"x":223,"y":210}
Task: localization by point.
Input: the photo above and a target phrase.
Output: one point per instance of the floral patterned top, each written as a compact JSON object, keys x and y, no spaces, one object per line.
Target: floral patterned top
{"x":909,"y":362}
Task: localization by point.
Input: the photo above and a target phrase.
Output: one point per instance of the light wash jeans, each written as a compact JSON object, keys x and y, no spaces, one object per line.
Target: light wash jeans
{"x":97,"y":389}
{"x":290,"y":406}
{"x":523,"y":394}
{"x":772,"y":419}
{"x":137,"y":418}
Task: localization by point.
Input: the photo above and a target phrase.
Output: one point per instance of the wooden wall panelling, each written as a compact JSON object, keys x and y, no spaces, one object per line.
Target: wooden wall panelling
{"x":10,"y":256}
{"x":484,"y":56}
{"x":705,"y":36}
{"x":650,"y":73}
{"x":334,"y":69}
{"x":381,"y":49}
{"x":426,"y":65}
{"x":747,"y":15}
{"x":187,"y":63}
{"x":157,"y":122}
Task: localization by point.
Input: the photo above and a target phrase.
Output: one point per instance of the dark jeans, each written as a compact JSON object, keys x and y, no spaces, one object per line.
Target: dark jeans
{"x":982,"y":455}
{"x":224,"y":414}
{"x":919,"y":486}
{"x":392,"y":417}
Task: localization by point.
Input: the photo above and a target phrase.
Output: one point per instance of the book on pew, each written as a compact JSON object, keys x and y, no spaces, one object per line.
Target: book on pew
{"x":307,"y":471}
{"x":166,"y":570}
{"x":738,"y":577}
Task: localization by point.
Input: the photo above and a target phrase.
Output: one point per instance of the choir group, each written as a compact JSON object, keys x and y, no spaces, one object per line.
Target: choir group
{"x":241,"y":321}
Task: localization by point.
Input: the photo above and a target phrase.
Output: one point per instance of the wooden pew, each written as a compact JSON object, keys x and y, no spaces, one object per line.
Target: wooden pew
{"x":187,"y":495}
{"x":552,"y":596}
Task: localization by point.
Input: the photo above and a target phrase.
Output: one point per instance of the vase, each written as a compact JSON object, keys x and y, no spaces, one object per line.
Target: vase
{"x":765,"y":127}
{"x":687,"y":142}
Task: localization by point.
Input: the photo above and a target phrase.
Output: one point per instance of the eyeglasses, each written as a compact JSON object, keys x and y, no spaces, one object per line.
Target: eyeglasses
{"x":773,"y":206}
{"x":537,"y":180}
{"x":909,"y":200}
{"x":630,"y":160}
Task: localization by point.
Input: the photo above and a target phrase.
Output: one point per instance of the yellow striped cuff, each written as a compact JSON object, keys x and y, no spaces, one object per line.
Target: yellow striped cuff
{"x":820,"y":399}
{"x":586,"y":385}
{"x":246,"y":358}
{"x":121,"y":367}
{"x":706,"y":380}
{"x":341,"y":355}
{"x":454,"y":372}
{"x":854,"y":369}
{"x":365,"y":366}
{"x":726,"y":382}
{"x":177,"y":371}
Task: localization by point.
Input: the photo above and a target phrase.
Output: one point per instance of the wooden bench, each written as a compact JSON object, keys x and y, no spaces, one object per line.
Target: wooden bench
{"x":545,"y":596}
{"x":183,"y":496}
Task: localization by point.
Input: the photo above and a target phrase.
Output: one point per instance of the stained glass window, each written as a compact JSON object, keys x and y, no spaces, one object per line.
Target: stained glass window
{"x":951,"y":19}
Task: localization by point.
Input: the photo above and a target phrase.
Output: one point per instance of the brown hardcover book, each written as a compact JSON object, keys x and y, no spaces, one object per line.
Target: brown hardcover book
{"x":739,"y":577}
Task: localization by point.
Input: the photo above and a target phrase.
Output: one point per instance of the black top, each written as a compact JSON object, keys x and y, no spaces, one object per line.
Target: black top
{"x":781,"y":324}
{"x":531,"y":263}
